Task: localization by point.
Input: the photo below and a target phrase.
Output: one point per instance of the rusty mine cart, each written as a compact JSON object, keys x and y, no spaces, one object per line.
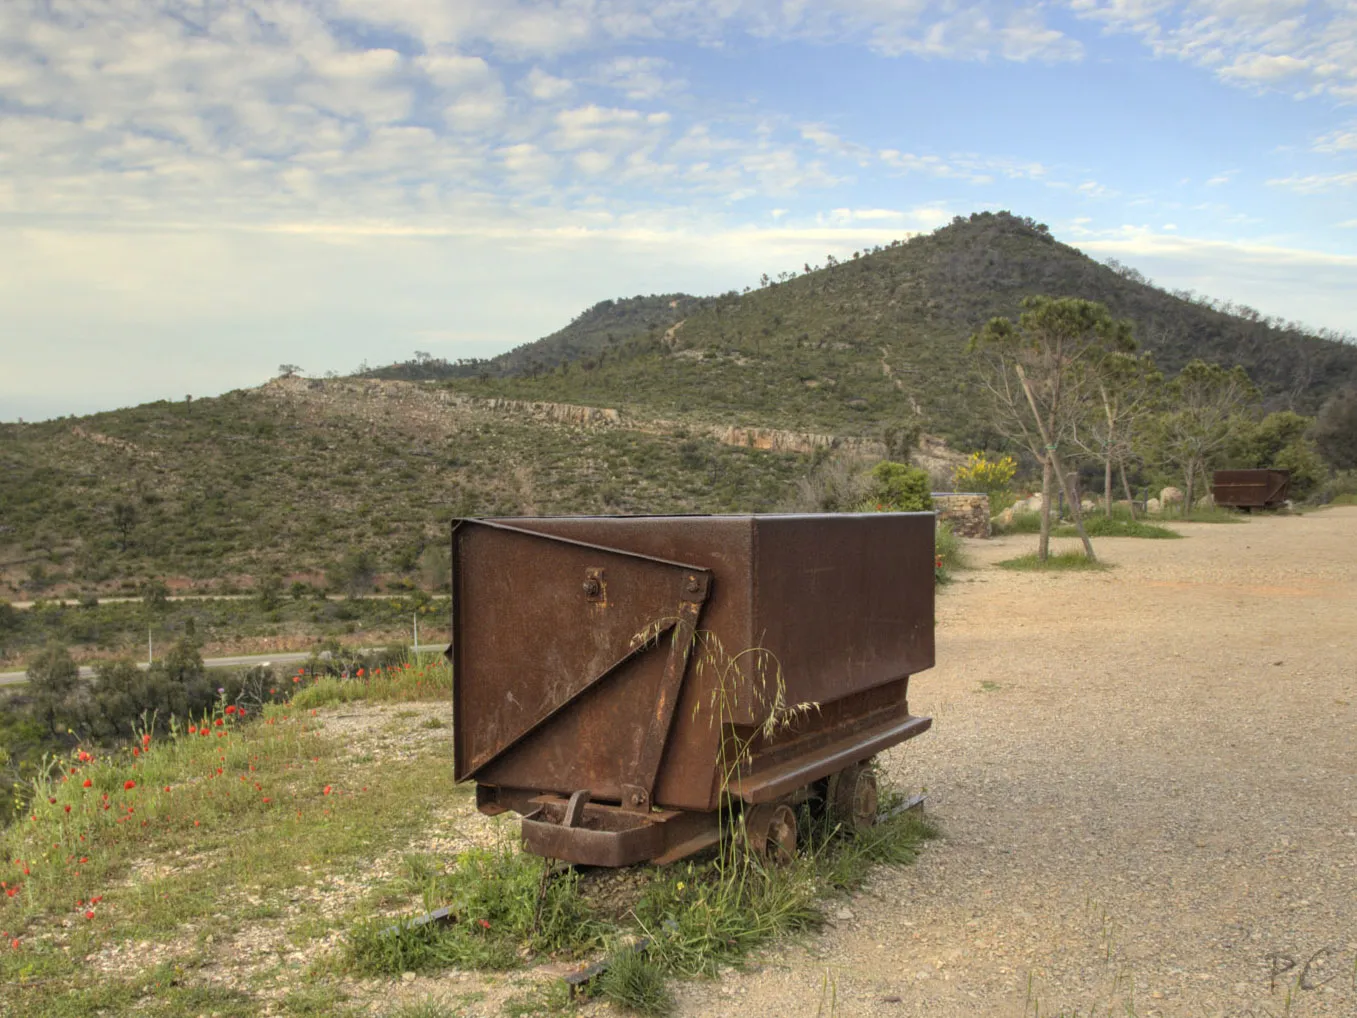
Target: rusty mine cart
{"x":1251,"y":489}
{"x":623,"y":682}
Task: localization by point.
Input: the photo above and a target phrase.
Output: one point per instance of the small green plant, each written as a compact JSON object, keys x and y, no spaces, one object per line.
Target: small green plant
{"x":1065,"y":561}
{"x":634,"y":981}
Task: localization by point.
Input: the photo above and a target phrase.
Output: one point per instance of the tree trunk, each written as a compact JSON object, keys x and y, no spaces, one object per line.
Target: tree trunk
{"x":1044,"y":545}
{"x":1074,"y":506}
{"x":1126,"y":486}
{"x":1107,"y":482}
{"x":1187,"y":497}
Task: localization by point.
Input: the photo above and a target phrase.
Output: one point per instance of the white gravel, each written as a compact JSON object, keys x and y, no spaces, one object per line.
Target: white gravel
{"x":1154,"y":813}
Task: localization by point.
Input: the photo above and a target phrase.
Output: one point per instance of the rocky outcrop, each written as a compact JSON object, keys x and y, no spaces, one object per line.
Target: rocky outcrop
{"x":565,"y":413}
{"x":122,"y":445}
{"x":430,"y":405}
{"x":1171,"y":496}
{"x":803,"y":442}
{"x":967,"y":513}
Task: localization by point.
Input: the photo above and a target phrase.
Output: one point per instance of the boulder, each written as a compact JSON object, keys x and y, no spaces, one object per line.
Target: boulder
{"x":1206,"y":502}
{"x":1005,"y":518}
{"x":1152,"y":505}
{"x":1171,"y":496}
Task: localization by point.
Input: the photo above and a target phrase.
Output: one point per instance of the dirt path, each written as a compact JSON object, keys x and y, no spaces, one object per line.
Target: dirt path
{"x":1148,"y":779}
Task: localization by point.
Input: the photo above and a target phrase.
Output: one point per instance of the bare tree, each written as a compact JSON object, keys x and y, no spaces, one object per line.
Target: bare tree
{"x":1129,"y":391}
{"x":1041,"y":374}
{"x":1208,"y":404}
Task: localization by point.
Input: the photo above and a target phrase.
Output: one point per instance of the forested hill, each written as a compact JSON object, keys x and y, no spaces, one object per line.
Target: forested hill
{"x":860,"y":345}
{"x":596,"y":329}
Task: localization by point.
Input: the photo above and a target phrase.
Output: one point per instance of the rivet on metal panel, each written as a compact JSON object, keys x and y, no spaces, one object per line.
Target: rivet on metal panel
{"x":595,"y":586}
{"x":635,"y":797}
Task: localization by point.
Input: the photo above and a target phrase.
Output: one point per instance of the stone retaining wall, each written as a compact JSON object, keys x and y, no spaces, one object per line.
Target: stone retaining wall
{"x":967,"y":512}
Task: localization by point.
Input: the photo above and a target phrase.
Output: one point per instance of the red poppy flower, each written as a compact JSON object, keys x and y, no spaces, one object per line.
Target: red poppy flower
{"x":129,"y":785}
{"x":485,"y":923}
{"x":146,"y":739}
{"x":328,"y":789}
{"x":193,"y":729}
{"x":68,"y":809}
{"x":89,"y":914}
{"x":218,"y":722}
{"x":136,"y":751}
{"x":230,"y":708}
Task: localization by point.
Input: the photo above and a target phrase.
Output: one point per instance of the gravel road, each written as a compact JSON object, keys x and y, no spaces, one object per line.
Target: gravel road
{"x":1148,"y":782}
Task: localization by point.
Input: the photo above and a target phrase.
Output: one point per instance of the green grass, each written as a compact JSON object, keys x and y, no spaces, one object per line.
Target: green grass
{"x":508,"y":909}
{"x":224,"y":830}
{"x":1215,"y":514}
{"x":245,"y":828}
{"x":1098,"y":525}
{"x":427,"y":677}
{"x":948,"y":548}
{"x":1065,"y":561}
{"x":1339,"y":500}
{"x":1022,"y":523}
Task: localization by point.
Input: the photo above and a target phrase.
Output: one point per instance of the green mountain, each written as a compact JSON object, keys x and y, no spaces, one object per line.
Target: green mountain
{"x":858,"y":347}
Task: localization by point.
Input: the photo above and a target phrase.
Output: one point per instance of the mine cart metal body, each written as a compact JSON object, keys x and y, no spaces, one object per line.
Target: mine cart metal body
{"x":614,"y":677}
{"x":1251,"y":489}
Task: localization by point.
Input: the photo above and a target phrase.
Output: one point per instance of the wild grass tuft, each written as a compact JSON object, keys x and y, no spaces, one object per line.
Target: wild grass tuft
{"x":948,"y":548}
{"x":1065,"y":561}
{"x":634,"y":981}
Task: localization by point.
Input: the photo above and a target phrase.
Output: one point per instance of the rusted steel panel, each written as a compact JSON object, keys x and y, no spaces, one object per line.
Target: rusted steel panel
{"x":1251,"y":489}
{"x":639,"y":659}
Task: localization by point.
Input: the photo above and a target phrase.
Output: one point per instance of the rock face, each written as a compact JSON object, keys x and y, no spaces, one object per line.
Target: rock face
{"x":1206,"y":502}
{"x":1171,"y":496}
{"x":775,"y":440}
{"x":566,"y":413}
{"x":966,"y":512}
{"x":1153,"y":505}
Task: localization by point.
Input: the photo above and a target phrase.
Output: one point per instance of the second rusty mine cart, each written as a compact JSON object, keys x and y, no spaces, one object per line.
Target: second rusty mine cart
{"x":622,"y":681}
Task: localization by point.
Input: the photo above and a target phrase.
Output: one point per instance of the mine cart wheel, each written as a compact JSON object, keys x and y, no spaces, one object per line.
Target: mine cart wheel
{"x":853,"y":797}
{"x":770,"y":833}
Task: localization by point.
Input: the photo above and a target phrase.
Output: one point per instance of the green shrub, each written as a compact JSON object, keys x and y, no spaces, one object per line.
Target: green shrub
{"x":899,"y":487}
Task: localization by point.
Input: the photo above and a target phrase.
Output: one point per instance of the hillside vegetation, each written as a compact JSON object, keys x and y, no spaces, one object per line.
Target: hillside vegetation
{"x":596,"y":330}
{"x":291,"y":478}
{"x":878,"y":341}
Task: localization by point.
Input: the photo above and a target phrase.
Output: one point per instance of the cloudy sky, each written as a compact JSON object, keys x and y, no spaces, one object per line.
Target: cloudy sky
{"x":195,"y":191}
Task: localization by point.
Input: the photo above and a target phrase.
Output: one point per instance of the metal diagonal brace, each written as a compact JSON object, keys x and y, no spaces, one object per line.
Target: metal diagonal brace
{"x":637,"y":795}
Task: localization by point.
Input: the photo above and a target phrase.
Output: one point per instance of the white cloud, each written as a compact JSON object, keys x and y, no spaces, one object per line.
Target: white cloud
{"x":1341,"y":140}
{"x":1316,"y":182}
{"x":640,"y":79}
{"x":546,"y":87}
{"x":1305,"y":47}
